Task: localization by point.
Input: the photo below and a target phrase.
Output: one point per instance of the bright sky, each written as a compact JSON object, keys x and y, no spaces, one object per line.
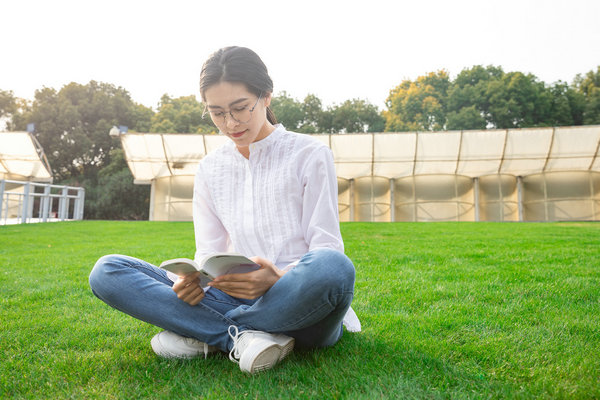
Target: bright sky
{"x":338,"y":50}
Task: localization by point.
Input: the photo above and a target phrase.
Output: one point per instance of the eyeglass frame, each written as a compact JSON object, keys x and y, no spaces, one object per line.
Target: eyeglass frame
{"x":251,"y":110}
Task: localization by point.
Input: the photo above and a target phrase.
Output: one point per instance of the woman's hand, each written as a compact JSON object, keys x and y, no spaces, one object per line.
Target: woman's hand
{"x":249,"y":285}
{"x":188,"y":288}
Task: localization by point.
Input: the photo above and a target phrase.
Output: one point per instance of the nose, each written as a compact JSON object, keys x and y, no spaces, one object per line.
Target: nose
{"x":230,"y":121}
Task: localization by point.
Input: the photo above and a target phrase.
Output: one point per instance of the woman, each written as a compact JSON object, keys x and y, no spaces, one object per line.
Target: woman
{"x":270,"y":194}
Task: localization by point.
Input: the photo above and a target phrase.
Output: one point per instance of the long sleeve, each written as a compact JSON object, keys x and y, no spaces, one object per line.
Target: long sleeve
{"x":320,"y":218}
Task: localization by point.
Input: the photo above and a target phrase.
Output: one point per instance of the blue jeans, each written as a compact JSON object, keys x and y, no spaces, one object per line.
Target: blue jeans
{"x":308,"y":303}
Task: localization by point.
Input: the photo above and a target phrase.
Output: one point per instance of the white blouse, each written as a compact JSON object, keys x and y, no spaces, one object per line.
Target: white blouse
{"x":279,"y":204}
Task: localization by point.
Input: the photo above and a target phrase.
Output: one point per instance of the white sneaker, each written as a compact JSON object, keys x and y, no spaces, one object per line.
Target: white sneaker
{"x":168,"y":344}
{"x":258,"y":351}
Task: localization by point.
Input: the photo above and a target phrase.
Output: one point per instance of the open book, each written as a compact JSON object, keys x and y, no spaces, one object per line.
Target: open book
{"x":211,"y":266}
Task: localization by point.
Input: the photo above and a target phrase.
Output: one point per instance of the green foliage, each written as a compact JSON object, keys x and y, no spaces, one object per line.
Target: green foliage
{"x":116,"y":196}
{"x":111,"y":194}
{"x":418,"y":105}
{"x":142,"y":116}
{"x":181,"y":115}
{"x":352,"y":116}
{"x":517,"y":101}
{"x":487,"y":97}
{"x":72,"y":125}
{"x":568,"y":105}
{"x":288,"y":111}
{"x":469,"y":94}
{"x":467,"y":118}
{"x":492,"y":310}
{"x":8,"y":104}
{"x":314,"y":116}
{"x":589,"y":87}
{"x":355,"y":116}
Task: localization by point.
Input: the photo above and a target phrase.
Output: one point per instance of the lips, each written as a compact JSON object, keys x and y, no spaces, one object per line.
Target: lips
{"x":237,"y":134}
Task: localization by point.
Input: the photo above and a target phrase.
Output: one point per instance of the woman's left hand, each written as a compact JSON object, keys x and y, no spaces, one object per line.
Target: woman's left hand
{"x":249,"y":285}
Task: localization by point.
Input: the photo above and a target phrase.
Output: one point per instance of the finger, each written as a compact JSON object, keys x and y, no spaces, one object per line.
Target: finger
{"x":185,"y":280}
{"x":188,"y":290}
{"x":195,"y":298}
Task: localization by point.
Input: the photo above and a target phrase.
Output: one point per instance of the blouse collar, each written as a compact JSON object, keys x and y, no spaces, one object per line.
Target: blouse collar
{"x":263,"y":143}
{"x":266,"y":142}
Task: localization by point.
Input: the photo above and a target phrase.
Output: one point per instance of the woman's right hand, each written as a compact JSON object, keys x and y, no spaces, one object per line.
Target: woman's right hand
{"x":188,"y":288}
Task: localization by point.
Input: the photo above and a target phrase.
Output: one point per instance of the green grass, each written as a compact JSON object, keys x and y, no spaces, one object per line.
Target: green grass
{"x":449,"y":310}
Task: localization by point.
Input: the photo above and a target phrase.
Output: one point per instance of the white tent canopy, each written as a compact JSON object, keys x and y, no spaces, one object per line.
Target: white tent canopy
{"x":370,"y":167}
{"x":22,"y":158}
{"x":516,"y":152}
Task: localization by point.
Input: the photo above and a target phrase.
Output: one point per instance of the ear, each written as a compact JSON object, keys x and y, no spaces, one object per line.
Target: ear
{"x":267,"y":99}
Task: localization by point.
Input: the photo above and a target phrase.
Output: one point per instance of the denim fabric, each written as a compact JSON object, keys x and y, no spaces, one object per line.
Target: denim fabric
{"x":308,"y":303}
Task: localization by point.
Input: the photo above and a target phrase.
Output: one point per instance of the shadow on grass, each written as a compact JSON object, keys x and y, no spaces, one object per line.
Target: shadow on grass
{"x":365,"y":366}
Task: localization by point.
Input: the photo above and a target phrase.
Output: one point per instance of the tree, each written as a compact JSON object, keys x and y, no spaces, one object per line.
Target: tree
{"x":309,"y":117}
{"x":518,"y":101}
{"x":589,"y":86}
{"x":567,"y":105}
{"x":72,"y":125}
{"x":181,"y":115}
{"x":468,"y":103}
{"x":115,"y":196}
{"x":288,"y":111}
{"x":312,"y":108}
{"x":418,"y":105}
{"x":468,"y":117}
{"x":8,"y":105}
{"x":356,"y":116}
{"x":483,"y":97}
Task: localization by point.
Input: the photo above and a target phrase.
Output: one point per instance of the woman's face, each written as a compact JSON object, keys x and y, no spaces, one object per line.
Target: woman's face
{"x":224,"y":98}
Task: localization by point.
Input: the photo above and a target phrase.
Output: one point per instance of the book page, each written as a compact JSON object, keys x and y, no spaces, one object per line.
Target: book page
{"x":222,"y":264}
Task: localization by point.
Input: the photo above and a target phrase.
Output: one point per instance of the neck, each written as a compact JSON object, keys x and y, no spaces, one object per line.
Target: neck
{"x":265,"y":131}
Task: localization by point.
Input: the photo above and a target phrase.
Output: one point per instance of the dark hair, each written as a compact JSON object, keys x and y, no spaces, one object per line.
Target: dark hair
{"x":241,"y":65}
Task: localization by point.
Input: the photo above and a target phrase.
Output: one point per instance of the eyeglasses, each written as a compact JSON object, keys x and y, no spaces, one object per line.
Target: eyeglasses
{"x":241,"y":115}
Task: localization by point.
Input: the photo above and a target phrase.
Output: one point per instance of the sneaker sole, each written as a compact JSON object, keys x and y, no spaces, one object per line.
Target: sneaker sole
{"x":286,"y":344}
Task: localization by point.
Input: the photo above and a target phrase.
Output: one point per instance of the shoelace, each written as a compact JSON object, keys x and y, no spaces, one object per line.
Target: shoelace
{"x":192,"y":342}
{"x":234,"y":354}
{"x":239,"y":342}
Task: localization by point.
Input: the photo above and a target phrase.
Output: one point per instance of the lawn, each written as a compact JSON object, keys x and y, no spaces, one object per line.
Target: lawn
{"x":449,"y":310}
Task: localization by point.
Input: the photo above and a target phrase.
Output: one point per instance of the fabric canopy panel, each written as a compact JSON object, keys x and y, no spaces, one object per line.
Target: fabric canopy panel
{"x":22,"y":158}
{"x":151,"y":156}
{"x":538,"y":174}
{"x":476,"y":153}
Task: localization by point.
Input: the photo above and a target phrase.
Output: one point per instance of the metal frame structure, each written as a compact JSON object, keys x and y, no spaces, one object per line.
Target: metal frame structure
{"x":25,"y":202}
{"x":454,"y":175}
